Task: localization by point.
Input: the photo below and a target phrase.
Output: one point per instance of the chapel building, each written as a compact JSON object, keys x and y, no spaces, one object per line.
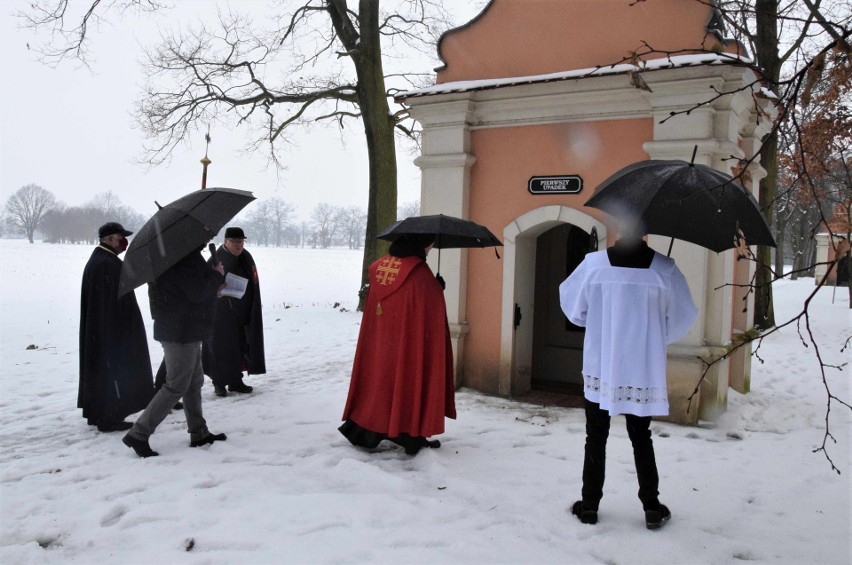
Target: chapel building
{"x":537,"y":103}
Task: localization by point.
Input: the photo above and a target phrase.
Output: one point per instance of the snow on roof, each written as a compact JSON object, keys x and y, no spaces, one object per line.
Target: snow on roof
{"x":650,"y":65}
{"x":768,"y":93}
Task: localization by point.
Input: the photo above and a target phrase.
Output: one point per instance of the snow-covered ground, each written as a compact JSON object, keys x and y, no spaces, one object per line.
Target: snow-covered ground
{"x":287,"y":488}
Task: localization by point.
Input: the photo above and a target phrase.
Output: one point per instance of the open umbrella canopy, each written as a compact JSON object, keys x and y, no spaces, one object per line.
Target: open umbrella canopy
{"x":449,"y":232}
{"x":176,"y":230}
{"x":686,"y":201}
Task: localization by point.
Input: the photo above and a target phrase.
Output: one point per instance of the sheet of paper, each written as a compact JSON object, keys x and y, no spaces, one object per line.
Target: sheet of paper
{"x":235,"y":286}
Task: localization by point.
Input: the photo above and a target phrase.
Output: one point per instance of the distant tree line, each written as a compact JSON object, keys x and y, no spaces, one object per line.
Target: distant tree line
{"x":79,"y":224}
{"x":32,"y":209}
{"x":273,"y":222}
{"x":270,"y":222}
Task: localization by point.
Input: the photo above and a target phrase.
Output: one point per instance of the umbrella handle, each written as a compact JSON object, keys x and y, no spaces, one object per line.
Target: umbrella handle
{"x":671,"y":244}
{"x":212,"y":248}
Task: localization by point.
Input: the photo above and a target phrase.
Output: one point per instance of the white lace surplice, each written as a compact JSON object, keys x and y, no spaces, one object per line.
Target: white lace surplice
{"x":630,"y":315}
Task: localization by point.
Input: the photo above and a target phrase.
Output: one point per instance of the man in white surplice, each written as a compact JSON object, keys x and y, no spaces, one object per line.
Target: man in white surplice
{"x":632,"y":302}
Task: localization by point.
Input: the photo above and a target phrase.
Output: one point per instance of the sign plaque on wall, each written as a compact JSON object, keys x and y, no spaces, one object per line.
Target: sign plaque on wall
{"x":569,"y":184}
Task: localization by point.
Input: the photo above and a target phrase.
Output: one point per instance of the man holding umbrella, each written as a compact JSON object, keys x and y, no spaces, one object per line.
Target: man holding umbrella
{"x":633,"y":302}
{"x":402,"y":383}
{"x":182,"y":289}
{"x":183,"y":303}
{"x":402,"y":377}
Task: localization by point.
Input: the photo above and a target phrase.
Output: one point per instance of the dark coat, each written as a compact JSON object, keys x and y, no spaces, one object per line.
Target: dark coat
{"x":237,"y":343}
{"x":115,"y":369}
{"x":183,"y":300}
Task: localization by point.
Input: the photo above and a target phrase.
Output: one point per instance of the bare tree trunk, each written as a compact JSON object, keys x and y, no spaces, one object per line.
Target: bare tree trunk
{"x":766,"y":44}
{"x":780,"y":240}
{"x":378,"y":123}
{"x":802,"y":239}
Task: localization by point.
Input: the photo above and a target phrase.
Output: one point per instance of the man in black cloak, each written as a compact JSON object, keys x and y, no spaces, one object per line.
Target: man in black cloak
{"x":115,"y":369}
{"x":237,"y":343}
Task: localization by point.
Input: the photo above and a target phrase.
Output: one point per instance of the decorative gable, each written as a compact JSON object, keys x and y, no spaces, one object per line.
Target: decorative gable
{"x":515,"y":38}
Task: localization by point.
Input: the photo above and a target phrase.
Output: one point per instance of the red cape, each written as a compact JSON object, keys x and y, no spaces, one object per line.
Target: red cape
{"x":402,"y":377}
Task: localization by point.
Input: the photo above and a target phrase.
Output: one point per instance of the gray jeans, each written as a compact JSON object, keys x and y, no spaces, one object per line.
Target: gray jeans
{"x":184,"y":378}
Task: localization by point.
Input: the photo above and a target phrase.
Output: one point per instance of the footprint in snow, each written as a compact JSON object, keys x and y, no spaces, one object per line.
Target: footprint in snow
{"x":112,"y":517}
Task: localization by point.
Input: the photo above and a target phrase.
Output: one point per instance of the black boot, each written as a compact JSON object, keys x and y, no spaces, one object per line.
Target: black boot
{"x":430,"y":443}
{"x":240,"y":386}
{"x":412,"y":445}
{"x":208,"y":439}
{"x":140,"y":446}
{"x":585,"y":515}
{"x":654,"y":519}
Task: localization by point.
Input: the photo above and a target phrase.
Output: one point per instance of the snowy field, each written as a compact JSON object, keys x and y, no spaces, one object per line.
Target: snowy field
{"x":287,"y":488}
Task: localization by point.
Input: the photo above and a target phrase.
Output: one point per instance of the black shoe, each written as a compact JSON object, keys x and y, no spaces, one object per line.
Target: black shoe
{"x":412,"y":449}
{"x":220,"y":391}
{"x":208,"y":439}
{"x":583,"y":514}
{"x":412,"y":445}
{"x":654,"y":519}
{"x":140,"y":446}
{"x":240,"y":387}
{"x":178,"y":406}
{"x":430,"y":443}
{"x":114,"y":426}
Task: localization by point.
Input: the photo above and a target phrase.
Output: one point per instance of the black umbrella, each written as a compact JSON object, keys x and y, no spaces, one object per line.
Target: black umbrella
{"x":449,"y":232}
{"x":686,"y":201}
{"x":177,"y":229}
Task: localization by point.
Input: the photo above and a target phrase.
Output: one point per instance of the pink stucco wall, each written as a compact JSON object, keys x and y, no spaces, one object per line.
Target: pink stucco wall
{"x":506,"y":158}
{"x":514,"y":38}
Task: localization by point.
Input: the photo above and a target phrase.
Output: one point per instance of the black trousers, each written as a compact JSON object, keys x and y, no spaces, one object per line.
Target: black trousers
{"x":594,"y":464}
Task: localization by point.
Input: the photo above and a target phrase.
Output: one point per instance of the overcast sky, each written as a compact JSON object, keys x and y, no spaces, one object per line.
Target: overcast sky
{"x":70,"y":130}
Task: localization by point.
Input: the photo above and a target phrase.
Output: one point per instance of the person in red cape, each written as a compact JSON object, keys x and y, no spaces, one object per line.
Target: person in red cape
{"x":402,"y":378}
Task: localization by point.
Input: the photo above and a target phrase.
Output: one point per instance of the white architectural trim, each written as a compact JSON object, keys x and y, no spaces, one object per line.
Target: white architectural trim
{"x":590,"y":99}
{"x":647,"y":66}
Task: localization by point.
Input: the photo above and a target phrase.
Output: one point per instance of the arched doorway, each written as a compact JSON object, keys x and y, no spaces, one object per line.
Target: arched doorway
{"x":557,"y":344}
{"x":534,"y":265}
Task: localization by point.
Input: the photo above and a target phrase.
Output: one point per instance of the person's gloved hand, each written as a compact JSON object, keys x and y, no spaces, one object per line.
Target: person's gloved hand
{"x":440,"y":280}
